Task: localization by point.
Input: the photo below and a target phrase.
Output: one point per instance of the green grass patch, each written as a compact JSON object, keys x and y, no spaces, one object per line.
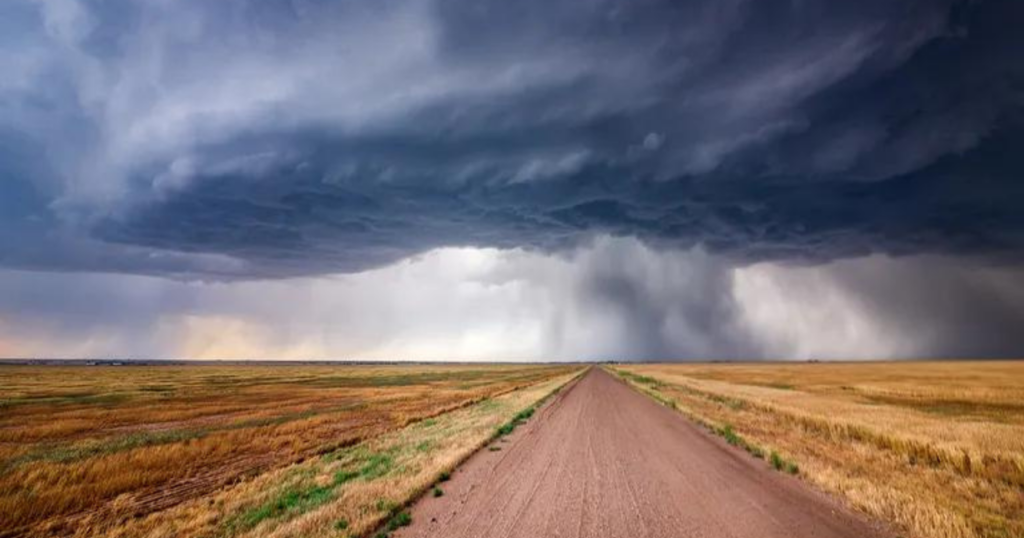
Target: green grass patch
{"x":730,"y":435}
{"x":344,"y":476}
{"x":402,"y":519}
{"x":437,"y":492}
{"x":294,"y":501}
{"x":511,"y":425}
{"x":291,"y":502}
{"x":377,"y":466}
{"x":362,"y":465}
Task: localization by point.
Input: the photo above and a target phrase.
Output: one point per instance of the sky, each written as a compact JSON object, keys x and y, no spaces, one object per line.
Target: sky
{"x":494,"y":180}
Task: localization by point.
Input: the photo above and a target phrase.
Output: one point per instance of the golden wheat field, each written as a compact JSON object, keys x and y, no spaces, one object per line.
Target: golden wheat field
{"x":252,"y":450}
{"x":935,"y":448}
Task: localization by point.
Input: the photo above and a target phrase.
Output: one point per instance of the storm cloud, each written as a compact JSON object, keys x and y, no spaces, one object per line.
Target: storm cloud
{"x":265,"y":139}
{"x":235,"y":141}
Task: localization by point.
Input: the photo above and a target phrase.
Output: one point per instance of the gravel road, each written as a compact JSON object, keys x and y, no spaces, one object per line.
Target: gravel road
{"x":602,"y":460}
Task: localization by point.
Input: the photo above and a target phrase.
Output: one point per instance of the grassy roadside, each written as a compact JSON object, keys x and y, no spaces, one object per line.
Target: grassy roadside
{"x":887,"y":438}
{"x":352,"y":490}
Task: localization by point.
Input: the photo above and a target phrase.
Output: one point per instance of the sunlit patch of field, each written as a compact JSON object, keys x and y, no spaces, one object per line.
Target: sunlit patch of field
{"x":936,"y":448}
{"x":99,"y":450}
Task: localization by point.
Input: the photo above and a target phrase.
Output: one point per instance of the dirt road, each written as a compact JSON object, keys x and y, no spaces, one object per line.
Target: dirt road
{"x":605,"y":461}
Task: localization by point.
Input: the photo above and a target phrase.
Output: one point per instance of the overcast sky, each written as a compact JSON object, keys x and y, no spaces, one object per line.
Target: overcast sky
{"x":486,"y":179}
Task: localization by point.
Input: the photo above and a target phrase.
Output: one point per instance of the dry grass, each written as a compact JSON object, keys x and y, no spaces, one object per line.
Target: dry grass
{"x":936,"y":448}
{"x":91,"y":451}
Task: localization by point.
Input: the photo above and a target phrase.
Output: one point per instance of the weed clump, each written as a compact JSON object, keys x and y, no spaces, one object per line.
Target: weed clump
{"x":402,"y":519}
{"x":438,"y":492}
{"x":511,"y":425}
{"x":730,"y":435}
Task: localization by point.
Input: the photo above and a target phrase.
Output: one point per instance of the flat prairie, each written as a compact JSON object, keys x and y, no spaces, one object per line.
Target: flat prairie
{"x":240,"y":450}
{"x":935,"y":448}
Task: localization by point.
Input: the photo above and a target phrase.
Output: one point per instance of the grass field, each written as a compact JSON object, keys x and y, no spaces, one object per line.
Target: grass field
{"x":241,"y":450}
{"x":936,"y":448}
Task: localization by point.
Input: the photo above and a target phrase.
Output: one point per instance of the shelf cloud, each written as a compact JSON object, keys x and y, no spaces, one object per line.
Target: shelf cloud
{"x":687,"y":179}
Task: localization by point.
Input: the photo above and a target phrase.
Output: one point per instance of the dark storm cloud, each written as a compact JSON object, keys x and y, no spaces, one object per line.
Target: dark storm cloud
{"x":261,"y":139}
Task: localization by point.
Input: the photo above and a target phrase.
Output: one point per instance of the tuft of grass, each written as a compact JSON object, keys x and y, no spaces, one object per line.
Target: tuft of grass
{"x":341,"y":524}
{"x":402,"y":519}
{"x":444,"y":476}
{"x":730,"y":435}
{"x":511,"y":425}
{"x":438,"y":492}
